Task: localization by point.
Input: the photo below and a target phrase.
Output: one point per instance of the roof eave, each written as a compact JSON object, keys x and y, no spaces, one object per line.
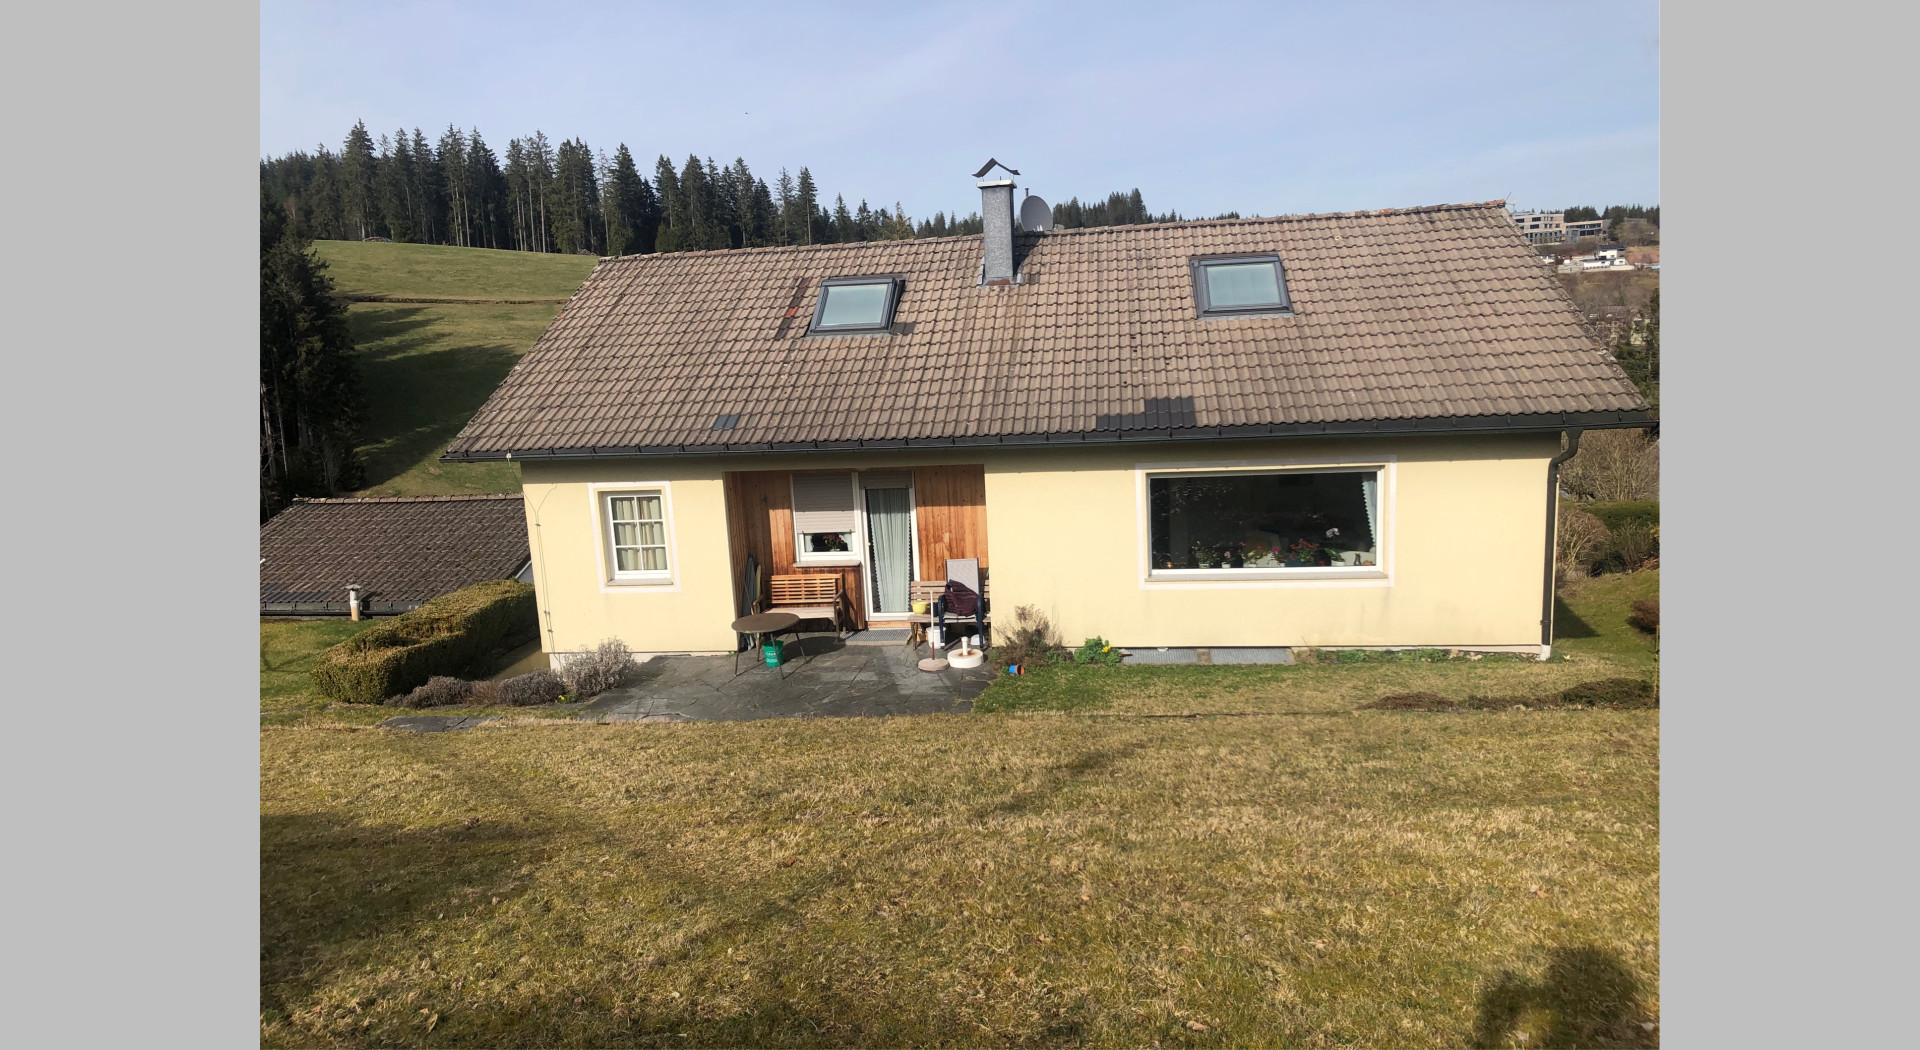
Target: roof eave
{"x":1462,"y":425}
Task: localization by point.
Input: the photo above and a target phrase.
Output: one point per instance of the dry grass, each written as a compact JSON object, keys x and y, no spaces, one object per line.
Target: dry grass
{"x":1046,"y":879}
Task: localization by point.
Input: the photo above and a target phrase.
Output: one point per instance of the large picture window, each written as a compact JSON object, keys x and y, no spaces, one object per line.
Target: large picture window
{"x":1267,"y":523}
{"x":637,"y":534}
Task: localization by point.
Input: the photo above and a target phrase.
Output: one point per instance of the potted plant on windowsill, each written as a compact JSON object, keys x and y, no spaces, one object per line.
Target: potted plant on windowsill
{"x":1307,"y":553}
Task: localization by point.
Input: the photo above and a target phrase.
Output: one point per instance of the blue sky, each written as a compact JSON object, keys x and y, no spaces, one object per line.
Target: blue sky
{"x":1265,"y":108}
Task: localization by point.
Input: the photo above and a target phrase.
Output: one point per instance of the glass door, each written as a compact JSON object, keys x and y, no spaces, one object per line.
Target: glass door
{"x":889,"y":549}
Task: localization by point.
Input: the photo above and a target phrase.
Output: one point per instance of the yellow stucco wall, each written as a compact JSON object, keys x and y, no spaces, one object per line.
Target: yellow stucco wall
{"x":1463,"y":523}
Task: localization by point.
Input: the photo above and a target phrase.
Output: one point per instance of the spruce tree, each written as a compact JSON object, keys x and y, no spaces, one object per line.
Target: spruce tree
{"x":310,"y":402}
{"x":806,"y":208}
{"x":356,"y":182}
{"x":670,"y":233}
{"x":843,"y":227}
{"x":784,"y":209}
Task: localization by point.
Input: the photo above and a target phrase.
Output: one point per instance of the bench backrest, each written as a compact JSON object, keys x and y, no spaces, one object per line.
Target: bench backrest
{"x":928,"y":590}
{"x":808,"y":589}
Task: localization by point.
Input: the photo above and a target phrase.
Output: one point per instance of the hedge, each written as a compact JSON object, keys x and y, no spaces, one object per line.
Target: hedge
{"x":1644,"y":513}
{"x":446,"y":636}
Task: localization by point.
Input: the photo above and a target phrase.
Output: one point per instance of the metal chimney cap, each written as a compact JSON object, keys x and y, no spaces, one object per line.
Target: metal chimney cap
{"x":990,"y":165}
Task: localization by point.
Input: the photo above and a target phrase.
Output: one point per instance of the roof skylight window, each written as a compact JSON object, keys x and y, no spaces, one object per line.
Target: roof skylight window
{"x":1231,"y":286}
{"x":856,"y":304}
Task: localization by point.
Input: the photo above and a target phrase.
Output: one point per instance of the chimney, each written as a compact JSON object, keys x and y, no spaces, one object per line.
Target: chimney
{"x":996,"y":217}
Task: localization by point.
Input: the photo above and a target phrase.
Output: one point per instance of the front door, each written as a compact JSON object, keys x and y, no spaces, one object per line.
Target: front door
{"x":889,"y":549}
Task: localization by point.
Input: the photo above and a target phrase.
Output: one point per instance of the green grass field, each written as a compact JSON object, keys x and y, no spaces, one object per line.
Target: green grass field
{"x":1304,"y":875}
{"x":427,"y":367}
{"x":431,"y":271}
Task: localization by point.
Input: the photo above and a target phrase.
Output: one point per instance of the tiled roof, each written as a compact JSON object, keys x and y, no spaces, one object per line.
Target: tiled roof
{"x":1439,"y":313}
{"x":402,"y":551}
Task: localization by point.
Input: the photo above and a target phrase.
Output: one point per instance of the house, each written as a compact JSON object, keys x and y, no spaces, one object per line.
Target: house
{"x":1541,"y":227}
{"x":1605,"y":257}
{"x":1322,"y":430}
{"x":1576,"y":229}
{"x":320,"y":557}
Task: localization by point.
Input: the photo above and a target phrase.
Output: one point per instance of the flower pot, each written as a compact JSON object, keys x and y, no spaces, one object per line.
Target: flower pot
{"x":920,"y":608}
{"x":966,"y":658}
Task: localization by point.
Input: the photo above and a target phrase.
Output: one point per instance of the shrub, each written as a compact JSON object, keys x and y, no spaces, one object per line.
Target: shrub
{"x":1030,"y":641}
{"x":1095,"y":650}
{"x":447,"y":636}
{"x":485,"y":694}
{"x":534,"y":687}
{"x":439,"y":691}
{"x":1621,"y":513}
{"x":1614,"y":465}
{"x":591,"y":674}
{"x":1580,"y":539}
{"x":1645,"y":615}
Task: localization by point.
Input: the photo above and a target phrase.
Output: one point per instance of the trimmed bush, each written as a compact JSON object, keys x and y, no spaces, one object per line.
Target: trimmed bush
{"x":1030,"y":642}
{"x":440,"y":691}
{"x":1620,"y":513}
{"x":592,"y":674}
{"x":1645,"y":615}
{"x":446,"y":636}
{"x":534,"y":687}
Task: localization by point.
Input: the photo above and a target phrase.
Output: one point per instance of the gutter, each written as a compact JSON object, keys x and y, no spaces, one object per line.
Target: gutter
{"x":1553,"y":521}
{"x":1566,"y":422}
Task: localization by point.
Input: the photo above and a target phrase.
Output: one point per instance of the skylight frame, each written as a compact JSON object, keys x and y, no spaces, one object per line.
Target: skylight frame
{"x":895,"y":285}
{"x":1202,"y":301}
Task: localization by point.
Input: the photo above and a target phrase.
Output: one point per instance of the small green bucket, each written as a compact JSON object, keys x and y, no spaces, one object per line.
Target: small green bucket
{"x":773,"y":653}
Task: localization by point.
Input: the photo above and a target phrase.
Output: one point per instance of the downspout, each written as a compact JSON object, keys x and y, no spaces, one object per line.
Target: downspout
{"x":540,"y":553}
{"x":1553,"y":520}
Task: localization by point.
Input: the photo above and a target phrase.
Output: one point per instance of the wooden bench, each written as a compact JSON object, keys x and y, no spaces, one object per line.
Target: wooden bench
{"x":928,"y":591}
{"x":810,"y":596}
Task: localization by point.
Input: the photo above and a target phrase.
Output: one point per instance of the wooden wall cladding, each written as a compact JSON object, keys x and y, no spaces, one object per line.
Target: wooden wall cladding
{"x":950,"y":503}
{"x":760,"y":523}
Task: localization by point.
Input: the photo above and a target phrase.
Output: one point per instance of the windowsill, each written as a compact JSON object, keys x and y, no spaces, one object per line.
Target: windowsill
{"x":1357,"y":572}
{"x":662,"y":580}
{"x":839,"y":561}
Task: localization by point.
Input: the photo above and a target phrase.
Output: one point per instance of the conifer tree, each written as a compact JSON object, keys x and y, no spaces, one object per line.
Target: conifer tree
{"x":783,"y":205}
{"x":356,"y":182}
{"x":309,"y":393}
{"x":671,"y":231}
{"x":843,"y":227}
{"x":430,"y":190}
{"x":806,"y":200}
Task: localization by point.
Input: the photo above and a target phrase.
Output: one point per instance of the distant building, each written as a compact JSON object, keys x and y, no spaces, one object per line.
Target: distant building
{"x":1586,"y":228}
{"x":1541,"y":227}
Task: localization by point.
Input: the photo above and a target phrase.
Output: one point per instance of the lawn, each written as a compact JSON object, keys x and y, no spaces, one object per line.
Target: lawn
{"x":1304,"y":875}
{"x":427,"y":365}
{"x":426,"y":369}
{"x":432,"y":271}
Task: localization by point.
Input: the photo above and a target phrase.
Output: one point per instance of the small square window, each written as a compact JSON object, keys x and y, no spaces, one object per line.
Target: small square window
{"x":856,"y":304}
{"x":1241,"y":284}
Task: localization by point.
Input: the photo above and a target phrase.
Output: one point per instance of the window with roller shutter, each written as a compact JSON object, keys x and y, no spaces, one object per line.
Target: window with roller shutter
{"x":825,"y":525}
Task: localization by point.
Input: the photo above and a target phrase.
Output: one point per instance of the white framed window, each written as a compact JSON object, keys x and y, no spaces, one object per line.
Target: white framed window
{"x":635,"y":535}
{"x":826,"y":519}
{"x":1265,"y":524}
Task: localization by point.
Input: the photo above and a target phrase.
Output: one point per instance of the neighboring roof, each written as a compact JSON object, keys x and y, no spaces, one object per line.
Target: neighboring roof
{"x":403,"y":551}
{"x":1401,"y":319}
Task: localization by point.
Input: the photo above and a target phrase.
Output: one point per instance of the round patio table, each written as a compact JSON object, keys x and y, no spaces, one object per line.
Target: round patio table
{"x":760,"y":625}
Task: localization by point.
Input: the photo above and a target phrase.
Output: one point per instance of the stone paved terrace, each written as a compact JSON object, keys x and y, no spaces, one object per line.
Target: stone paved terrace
{"x":839,"y":681}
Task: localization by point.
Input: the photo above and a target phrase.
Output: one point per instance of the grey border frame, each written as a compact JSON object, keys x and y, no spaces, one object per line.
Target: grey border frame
{"x":895,"y":286}
{"x":1204,"y":308}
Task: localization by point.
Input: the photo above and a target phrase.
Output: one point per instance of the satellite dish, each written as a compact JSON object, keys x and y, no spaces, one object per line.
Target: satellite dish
{"x":1035,"y":216}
